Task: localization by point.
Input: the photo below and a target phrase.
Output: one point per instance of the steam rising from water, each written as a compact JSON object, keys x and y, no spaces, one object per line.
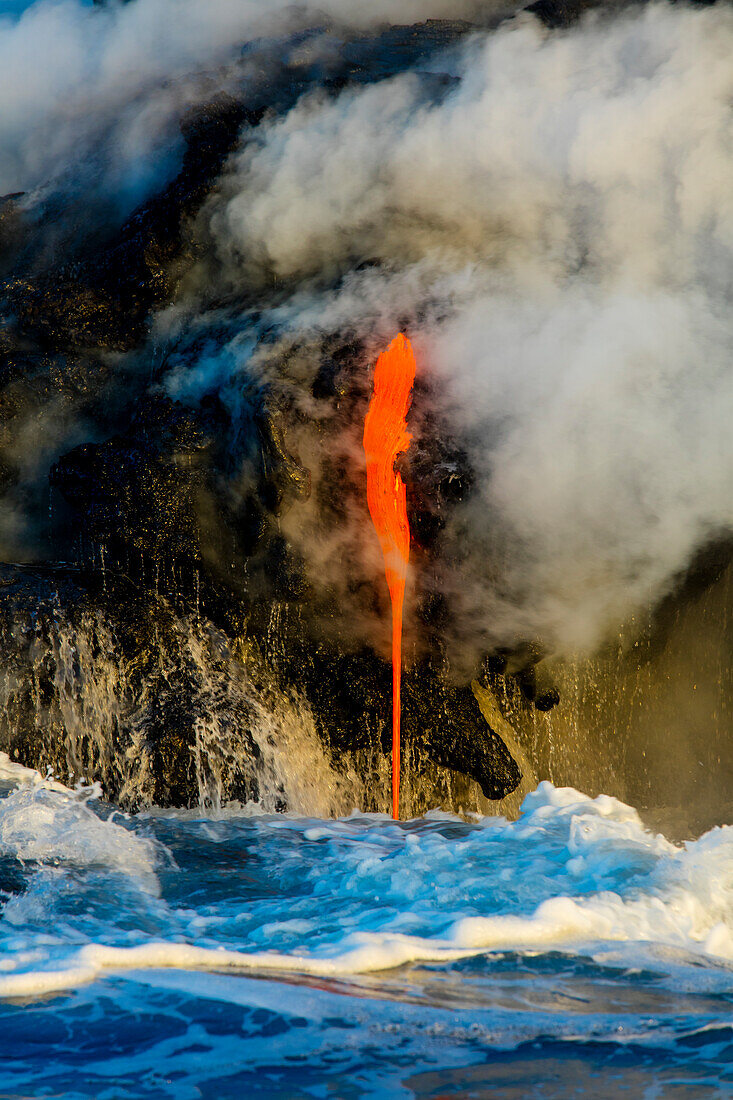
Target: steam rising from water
{"x":557,"y":229}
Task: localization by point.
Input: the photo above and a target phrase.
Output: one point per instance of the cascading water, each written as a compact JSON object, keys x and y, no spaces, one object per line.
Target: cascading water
{"x":75,"y":702}
{"x":188,"y":715}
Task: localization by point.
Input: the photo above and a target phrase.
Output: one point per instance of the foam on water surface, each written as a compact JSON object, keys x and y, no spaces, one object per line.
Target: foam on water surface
{"x":359,"y":894}
{"x":573,"y":922}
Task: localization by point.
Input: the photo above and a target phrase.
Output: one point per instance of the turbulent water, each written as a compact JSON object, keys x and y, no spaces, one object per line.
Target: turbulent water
{"x":171,"y":954}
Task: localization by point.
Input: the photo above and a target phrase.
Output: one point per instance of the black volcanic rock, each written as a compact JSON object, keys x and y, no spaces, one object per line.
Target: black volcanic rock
{"x":152,"y":490}
{"x":351,"y":693}
{"x":11,"y":229}
{"x":561,"y":13}
{"x":103,"y":299}
{"x":282,"y":478}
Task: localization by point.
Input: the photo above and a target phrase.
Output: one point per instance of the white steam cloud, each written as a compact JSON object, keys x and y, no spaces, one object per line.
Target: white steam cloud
{"x":558,"y":230}
{"x":73,"y":76}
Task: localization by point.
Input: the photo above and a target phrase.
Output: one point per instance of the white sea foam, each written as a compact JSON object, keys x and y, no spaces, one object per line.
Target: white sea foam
{"x":49,"y":824}
{"x":18,"y":775}
{"x":574,"y":874}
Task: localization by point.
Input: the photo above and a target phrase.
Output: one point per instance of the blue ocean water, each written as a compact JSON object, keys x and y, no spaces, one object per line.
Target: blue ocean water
{"x":569,"y":953}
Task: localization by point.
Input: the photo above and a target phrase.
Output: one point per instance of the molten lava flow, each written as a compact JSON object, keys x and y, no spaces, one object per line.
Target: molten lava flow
{"x":385,"y":437}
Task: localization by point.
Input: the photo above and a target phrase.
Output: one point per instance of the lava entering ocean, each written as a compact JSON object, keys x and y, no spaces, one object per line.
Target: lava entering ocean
{"x":385,"y":437}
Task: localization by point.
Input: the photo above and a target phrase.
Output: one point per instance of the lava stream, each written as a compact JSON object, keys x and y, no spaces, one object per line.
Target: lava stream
{"x":385,"y":437}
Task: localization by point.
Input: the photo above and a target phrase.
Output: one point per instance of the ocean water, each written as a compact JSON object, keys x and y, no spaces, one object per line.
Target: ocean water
{"x":570,"y":953}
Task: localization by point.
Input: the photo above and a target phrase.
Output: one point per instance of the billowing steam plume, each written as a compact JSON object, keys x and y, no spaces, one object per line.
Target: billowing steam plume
{"x":107,"y":84}
{"x":552,"y":220}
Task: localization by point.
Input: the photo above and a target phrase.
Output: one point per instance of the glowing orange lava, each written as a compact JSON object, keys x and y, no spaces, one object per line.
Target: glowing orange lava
{"x":385,"y":437}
